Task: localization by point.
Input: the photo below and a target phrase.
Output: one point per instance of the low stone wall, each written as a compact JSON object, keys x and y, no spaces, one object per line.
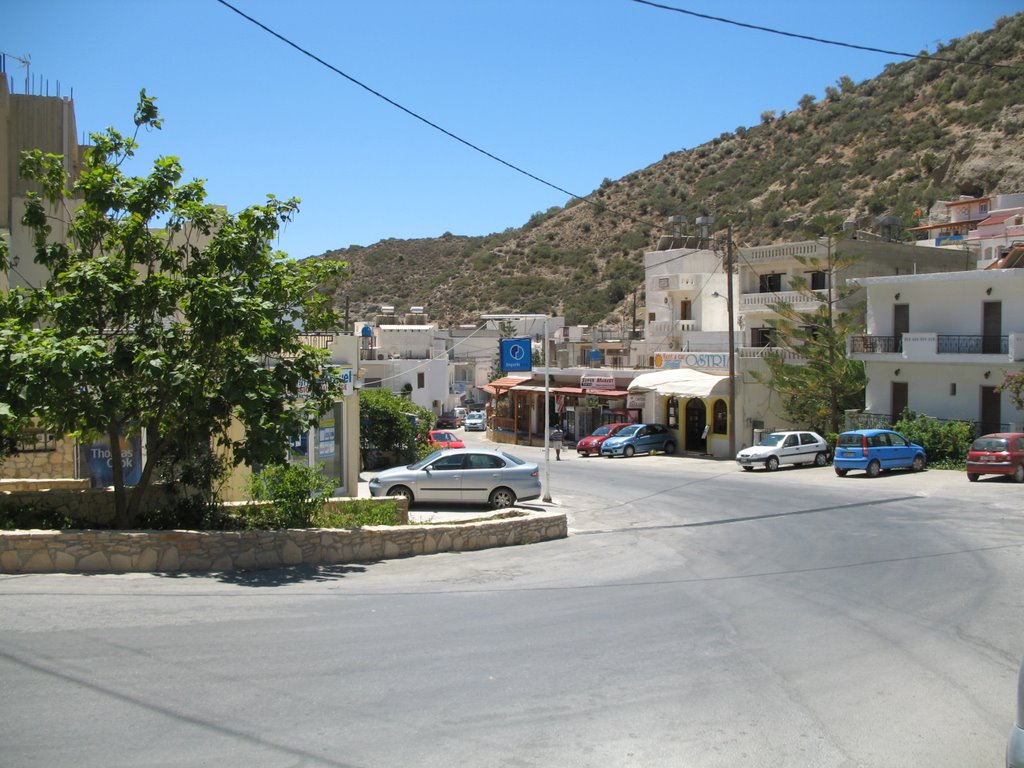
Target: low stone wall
{"x":176,"y":551}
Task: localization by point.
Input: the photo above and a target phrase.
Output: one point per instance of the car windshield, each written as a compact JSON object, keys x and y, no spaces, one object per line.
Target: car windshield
{"x":774,"y":439}
{"x":602,"y":431}
{"x":989,"y":444}
{"x":851,"y":438}
{"x":513,"y":459}
{"x":425,"y":460}
{"x":629,"y":431}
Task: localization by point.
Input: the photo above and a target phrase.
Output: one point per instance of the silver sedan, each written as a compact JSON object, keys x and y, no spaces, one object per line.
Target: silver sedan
{"x":462,"y":475}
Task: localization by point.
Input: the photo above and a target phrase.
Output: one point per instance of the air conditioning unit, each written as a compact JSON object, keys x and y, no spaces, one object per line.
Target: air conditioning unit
{"x":673,"y":344}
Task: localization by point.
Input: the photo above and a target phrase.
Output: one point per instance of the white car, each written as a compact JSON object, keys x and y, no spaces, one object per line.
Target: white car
{"x":475,"y":422}
{"x":785,"y":448}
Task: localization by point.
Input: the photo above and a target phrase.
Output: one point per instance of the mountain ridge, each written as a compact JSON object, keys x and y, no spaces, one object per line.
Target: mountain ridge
{"x":922,"y":131}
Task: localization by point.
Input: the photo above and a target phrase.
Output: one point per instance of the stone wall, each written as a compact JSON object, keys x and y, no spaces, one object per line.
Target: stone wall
{"x":202,"y":551}
{"x":59,"y":462}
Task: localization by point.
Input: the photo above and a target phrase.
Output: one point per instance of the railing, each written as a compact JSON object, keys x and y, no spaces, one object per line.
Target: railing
{"x":868,"y":420}
{"x":974,"y":345}
{"x":749,"y":301}
{"x":876,"y":344}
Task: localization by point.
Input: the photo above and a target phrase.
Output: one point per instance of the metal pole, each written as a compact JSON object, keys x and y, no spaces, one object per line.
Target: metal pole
{"x":547,"y":423}
{"x":732,"y":346}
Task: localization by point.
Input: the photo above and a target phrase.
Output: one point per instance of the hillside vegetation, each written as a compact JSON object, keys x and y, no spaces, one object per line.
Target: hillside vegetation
{"x":922,"y":131}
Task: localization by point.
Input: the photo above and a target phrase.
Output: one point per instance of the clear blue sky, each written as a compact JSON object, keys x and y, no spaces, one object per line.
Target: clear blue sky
{"x":573,"y":91}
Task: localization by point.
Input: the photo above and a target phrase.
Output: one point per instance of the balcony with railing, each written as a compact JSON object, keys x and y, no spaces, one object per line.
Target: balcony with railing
{"x":940,"y":347}
{"x":666,"y":328}
{"x":762,"y":302}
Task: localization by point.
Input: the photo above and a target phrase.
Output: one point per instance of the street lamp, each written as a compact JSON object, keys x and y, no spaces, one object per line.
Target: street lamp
{"x":547,"y":426}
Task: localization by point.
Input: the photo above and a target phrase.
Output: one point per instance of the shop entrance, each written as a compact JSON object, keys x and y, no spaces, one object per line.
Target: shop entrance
{"x":696,"y":425}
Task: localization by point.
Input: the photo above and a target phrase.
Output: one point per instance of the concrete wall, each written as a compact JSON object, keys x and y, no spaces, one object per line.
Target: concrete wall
{"x":177,"y":551}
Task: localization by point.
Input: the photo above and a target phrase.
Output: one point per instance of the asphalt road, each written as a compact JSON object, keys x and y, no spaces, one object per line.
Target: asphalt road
{"x":696,"y":616}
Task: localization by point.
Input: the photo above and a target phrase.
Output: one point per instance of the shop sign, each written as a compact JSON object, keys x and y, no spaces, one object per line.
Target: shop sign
{"x":633,"y":402}
{"x":715,"y":361}
{"x":595,"y":381}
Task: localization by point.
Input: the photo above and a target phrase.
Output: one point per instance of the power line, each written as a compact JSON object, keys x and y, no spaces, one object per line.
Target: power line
{"x":822,"y":40}
{"x":395,"y":104}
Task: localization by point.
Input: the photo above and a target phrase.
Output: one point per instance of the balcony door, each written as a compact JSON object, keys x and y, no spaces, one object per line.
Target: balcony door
{"x":991,"y":327}
{"x":900,"y":324}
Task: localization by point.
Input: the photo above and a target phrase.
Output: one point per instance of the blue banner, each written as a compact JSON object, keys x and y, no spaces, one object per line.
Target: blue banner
{"x":516,"y":355}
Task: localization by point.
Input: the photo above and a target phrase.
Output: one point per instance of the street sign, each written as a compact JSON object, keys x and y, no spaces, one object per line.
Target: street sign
{"x":516,"y":355}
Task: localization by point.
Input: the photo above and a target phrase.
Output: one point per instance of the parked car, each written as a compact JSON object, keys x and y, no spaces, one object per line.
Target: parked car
{"x":446,"y":421}
{"x":874,"y":450}
{"x":1001,"y":453}
{"x":475,"y":422}
{"x":591,"y":444}
{"x":785,"y":448}
{"x":639,"y":438}
{"x":1015,"y":744}
{"x":462,"y":475}
{"x":442,"y":438}
{"x":460,"y":416}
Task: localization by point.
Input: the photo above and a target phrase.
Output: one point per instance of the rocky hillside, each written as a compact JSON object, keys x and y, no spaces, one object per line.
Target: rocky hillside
{"x":922,"y":131}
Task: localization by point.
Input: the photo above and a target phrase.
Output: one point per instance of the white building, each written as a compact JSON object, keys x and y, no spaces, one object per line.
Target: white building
{"x":940,"y":344}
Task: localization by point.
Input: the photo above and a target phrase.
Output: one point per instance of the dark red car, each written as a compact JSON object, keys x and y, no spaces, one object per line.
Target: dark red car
{"x":591,"y":446}
{"x":1001,"y":453}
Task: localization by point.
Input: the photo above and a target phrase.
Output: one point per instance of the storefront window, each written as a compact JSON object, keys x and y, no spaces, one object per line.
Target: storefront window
{"x":721,"y":417}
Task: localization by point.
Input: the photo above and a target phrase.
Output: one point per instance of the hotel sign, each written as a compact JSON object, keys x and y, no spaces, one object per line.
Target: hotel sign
{"x":705,"y":361}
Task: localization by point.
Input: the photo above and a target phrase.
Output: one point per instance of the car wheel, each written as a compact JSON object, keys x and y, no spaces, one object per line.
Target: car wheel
{"x":973,"y":476}
{"x":820,"y":459}
{"x":841,"y":472}
{"x":628,"y":451}
{"x":918,"y":463}
{"x":1018,"y":474}
{"x":501,"y":498}
{"x":772,"y":464}
{"x":874,"y":468}
{"x":748,"y":469}
{"x":670,"y":448}
{"x":401,"y":492}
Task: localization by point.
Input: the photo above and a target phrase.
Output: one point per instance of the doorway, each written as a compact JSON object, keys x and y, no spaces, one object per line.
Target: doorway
{"x":900,"y":324}
{"x":898,"y":399}
{"x":696,"y":425}
{"x":991,"y":411}
{"x":991,"y":327}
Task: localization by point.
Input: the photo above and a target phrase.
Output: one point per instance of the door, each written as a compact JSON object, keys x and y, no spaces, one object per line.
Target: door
{"x":991,"y":327}
{"x":441,"y":480}
{"x":900,"y":324}
{"x":991,"y":411}
{"x":898,"y":399}
{"x":790,"y":450}
{"x":899,"y":453}
{"x":481,"y":475}
{"x":696,"y":421}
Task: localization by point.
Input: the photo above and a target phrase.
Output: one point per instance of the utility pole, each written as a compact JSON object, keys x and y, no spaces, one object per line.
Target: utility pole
{"x":732,"y":343}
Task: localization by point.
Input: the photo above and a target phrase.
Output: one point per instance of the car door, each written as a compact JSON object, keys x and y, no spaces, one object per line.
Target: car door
{"x":482,"y":474}
{"x":441,"y":480}
{"x":642,"y":440}
{"x":900,"y":453}
{"x":789,"y":451}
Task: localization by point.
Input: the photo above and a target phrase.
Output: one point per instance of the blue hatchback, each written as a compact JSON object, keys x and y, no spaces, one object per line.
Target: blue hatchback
{"x":874,"y":450}
{"x":639,"y":438}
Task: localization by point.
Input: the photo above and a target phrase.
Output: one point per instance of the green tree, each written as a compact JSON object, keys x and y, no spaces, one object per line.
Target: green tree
{"x":1013,"y":383}
{"x":821,"y":382}
{"x":182,"y":331}
{"x":388,"y":426}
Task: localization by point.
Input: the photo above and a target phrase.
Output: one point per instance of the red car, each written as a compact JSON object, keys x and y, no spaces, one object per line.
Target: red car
{"x":591,"y":446}
{"x":1001,"y":453}
{"x":442,"y":438}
